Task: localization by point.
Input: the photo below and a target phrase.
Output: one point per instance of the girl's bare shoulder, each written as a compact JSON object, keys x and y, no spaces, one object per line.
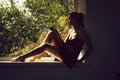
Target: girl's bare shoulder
{"x":83,"y":35}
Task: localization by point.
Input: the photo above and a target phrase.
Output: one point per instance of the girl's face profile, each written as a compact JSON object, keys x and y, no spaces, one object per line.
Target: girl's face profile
{"x":70,"y":21}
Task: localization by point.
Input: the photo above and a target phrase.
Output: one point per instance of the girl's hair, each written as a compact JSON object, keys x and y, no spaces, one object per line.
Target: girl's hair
{"x":79,"y":18}
{"x":74,"y":15}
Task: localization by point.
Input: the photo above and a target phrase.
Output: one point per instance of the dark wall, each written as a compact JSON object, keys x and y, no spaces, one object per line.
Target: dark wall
{"x":103,"y":25}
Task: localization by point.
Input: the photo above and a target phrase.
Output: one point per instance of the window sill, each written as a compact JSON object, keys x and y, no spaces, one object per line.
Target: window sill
{"x":5,"y":64}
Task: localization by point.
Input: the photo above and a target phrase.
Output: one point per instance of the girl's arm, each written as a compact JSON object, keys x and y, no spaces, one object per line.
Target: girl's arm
{"x":88,"y":45}
{"x":56,"y":32}
{"x":67,"y":38}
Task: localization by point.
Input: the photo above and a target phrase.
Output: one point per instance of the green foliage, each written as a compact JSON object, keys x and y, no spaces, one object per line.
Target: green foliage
{"x":47,"y":12}
{"x":17,"y":30}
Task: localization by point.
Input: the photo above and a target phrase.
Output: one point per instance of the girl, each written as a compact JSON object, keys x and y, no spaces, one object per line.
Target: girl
{"x":66,"y":51}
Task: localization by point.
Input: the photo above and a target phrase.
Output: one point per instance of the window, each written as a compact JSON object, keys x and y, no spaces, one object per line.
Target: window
{"x":22,"y":24}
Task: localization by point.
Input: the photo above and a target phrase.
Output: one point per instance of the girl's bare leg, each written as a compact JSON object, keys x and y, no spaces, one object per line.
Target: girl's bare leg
{"x":55,"y":38}
{"x":45,"y":47}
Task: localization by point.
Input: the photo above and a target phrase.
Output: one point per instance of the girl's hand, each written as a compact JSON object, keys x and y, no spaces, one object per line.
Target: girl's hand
{"x":52,"y":28}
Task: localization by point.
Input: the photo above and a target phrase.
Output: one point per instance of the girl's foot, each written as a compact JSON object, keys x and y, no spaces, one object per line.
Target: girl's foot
{"x":20,"y":58}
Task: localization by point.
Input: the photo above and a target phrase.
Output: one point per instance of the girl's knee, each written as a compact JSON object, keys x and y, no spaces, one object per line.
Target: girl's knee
{"x":46,"y":45}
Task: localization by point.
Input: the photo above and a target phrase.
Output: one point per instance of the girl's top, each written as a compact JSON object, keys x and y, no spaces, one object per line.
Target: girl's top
{"x":70,"y":51}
